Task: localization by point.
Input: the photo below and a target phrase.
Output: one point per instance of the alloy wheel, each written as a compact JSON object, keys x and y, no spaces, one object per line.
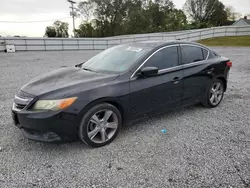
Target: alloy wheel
{"x":102,"y":126}
{"x":216,"y":93}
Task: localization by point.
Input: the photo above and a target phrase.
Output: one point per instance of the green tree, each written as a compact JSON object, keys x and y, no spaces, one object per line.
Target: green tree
{"x":219,"y":16}
{"x":85,"y":30}
{"x":155,"y":16}
{"x":136,"y":20}
{"x":50,"y":31}
{"x":109,"y":15}
{"x":86,"y":9}
{"x":206,"y":12}
{"x":175,"y":20}
{"x":232,"y":15}
{"x":58,"y":29}
{"x":118,"y":17}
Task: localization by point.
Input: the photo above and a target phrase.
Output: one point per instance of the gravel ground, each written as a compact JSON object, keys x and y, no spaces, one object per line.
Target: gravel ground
{"x":202,"y":147}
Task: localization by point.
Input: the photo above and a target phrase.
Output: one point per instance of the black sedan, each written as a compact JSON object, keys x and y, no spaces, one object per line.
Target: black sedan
{"x":92,"y":100}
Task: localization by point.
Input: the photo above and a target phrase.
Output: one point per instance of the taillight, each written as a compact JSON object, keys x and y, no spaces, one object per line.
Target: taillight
{"x":229,"y":64}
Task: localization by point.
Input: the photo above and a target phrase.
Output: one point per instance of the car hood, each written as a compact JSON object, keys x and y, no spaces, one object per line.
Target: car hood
{"x":65,"y":78}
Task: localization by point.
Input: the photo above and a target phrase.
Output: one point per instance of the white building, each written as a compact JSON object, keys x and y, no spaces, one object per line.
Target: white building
{"x":242,"y":22}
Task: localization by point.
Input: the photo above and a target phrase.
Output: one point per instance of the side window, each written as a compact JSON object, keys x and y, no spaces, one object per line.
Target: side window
{"x":191,"y":54}
{"x":163,"y":59}
{"x":205,"y":53}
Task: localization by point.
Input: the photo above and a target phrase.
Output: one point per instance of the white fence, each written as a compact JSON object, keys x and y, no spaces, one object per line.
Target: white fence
{"x":50,"y":44}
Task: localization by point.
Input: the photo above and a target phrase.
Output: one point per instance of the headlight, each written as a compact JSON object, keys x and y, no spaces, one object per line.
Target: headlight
{"x":54,"y":104}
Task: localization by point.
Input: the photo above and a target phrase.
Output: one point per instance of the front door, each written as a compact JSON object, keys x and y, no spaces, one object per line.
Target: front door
{"x":161,"y":92}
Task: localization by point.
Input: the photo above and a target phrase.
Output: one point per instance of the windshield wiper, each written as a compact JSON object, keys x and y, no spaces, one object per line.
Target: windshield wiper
{"x":87,"y":69}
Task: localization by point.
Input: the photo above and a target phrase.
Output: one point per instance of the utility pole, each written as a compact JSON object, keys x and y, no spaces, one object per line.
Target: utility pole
{"x":73,"y":13}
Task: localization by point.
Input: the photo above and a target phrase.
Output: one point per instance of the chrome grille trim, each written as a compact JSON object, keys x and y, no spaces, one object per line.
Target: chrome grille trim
{"x":20,"y":100}
{"x":20,"y":103}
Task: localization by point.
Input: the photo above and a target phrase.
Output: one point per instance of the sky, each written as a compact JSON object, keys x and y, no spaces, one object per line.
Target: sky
{"x":12,"y":11}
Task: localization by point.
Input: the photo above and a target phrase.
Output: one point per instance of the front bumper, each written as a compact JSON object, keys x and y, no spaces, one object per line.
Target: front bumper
{"x":46,"y":126}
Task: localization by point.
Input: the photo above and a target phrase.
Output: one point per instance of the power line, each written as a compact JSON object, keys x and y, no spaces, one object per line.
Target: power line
{"x":38,"y":21}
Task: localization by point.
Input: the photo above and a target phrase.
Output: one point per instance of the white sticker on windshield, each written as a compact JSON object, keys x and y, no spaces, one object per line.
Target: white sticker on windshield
{"x":134,"y":49}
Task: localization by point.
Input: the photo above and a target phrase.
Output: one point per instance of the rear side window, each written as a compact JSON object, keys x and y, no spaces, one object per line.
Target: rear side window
{"x":191,"y":54}
{"x":163,"y":59}
{"x":205,"y":53}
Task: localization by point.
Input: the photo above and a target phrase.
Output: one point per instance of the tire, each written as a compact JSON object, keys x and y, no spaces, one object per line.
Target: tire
{"x":207,"y":101}
{"x":95,"y":130}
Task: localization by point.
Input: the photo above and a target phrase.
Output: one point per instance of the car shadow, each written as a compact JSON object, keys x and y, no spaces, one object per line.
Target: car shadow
{"x":140,"y":125}
{"x":155,"y":118}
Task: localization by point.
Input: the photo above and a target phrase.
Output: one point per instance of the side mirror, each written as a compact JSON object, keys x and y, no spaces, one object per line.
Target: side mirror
{"x":148,"y":72}
{"x":79,"y":65}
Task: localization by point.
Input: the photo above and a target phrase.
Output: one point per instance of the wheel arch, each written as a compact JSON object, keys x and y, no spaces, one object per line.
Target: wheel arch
{"x":110,"y":100}
{"x":224,"y":81}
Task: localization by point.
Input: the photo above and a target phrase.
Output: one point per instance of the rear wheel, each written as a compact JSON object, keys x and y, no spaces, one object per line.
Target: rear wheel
{"x":214,"y":94}
{"x":100,"y":125}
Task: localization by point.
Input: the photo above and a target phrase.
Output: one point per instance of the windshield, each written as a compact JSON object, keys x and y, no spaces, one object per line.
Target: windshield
{"x":115,"y":59}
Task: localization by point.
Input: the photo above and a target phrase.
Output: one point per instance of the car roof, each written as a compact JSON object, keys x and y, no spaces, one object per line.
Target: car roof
{"x":157,"y":44}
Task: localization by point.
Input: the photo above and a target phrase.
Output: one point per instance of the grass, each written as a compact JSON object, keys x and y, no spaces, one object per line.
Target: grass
{"x":227,"y":41}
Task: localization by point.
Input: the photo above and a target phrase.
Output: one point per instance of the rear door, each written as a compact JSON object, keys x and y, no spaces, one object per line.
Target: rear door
{"x":161,"y":92}
{"x":197,"y":72}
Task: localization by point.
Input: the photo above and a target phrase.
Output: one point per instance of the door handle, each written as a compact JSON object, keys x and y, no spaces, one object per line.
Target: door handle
{"x":176,"y":80}
{"x":209,"y":71}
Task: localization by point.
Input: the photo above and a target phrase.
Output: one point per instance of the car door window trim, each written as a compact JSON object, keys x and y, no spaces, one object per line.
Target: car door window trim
{"x":162,"y":70}
{"x":171,"y":69}
{"x":193,"y":64}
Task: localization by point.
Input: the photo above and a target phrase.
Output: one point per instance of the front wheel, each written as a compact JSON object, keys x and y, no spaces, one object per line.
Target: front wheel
{"x":100,"y":125}
{"x":214,"y":95}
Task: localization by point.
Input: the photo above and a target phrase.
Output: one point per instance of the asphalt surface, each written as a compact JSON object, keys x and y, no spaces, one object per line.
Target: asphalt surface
{"x":202,"y":147}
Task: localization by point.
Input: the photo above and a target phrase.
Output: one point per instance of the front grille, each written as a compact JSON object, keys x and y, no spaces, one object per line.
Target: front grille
{"x":20,"y":106}
{"x":22,"y":100}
